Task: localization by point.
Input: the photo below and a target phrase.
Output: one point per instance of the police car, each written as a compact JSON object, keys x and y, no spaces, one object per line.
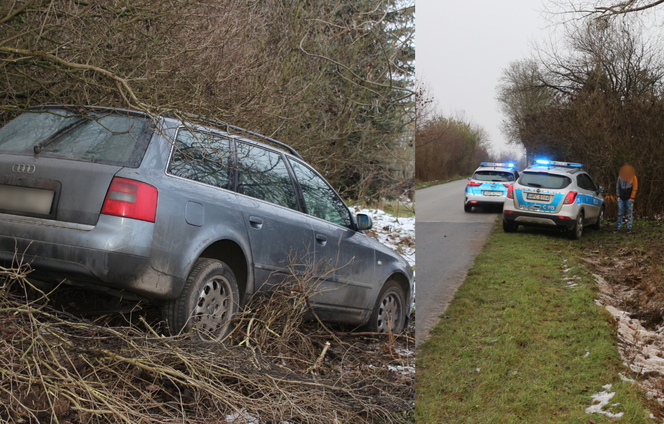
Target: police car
{"x":553,"y":194}
{"x":488,"y":185}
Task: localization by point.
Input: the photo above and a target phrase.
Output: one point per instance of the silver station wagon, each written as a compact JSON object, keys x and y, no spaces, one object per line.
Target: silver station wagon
{"x":192,"y":217}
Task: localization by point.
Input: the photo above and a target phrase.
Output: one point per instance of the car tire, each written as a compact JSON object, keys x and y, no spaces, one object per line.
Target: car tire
{"x":389,"y":312}
{"x":208,"y":302}
{"x":577,"y":232}
{"x":510,"y":227}
{"x":467,"y":207}
{"x":600,"y":220}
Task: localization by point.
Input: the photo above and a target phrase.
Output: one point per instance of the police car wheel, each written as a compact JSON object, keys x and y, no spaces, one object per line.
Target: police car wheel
{"x":467,"y":207}
{"x":576,"y":232}
{"x":509,"y":227}
{"x":600,"y":220}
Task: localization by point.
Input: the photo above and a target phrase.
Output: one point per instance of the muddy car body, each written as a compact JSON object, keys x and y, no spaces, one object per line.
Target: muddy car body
{"x":189,"y":216}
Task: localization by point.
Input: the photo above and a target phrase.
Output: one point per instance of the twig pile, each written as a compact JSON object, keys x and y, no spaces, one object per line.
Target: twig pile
{"x":59,"y":368}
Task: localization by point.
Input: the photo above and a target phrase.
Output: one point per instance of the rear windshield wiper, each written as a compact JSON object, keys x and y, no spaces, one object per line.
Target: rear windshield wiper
{"x":534,"y":185}
{"x":38,"y":148}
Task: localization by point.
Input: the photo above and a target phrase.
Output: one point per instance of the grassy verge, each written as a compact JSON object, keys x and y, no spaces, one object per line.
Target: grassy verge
{"x":519,"y":344}
{"x":426,"y":184}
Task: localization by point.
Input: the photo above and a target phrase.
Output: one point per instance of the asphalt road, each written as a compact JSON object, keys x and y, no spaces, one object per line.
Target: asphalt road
{"x":448,"y":239}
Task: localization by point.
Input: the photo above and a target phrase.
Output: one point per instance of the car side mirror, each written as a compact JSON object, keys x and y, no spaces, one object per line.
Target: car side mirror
{"x":469,"y":178}
{"x":364,"y":222}
{"x":601,"y":189}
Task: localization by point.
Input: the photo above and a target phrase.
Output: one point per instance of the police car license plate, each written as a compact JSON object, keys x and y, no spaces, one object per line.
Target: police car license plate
{"x":492,"y":193}
{"x":26,"y":200}
{"x":535,"y":196}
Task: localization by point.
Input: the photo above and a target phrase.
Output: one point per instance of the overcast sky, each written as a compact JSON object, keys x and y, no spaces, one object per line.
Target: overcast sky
{"x":462,"y":46}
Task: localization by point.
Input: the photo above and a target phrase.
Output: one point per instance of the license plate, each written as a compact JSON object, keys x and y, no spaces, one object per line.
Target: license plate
{"x":25,"y":199}
{"x":492,"y":193}
{"x":535,"y":196}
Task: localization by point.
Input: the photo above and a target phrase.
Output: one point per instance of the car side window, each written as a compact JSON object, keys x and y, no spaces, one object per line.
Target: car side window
{"x":584,"y":182}
{"x":581,"y":182}
{"x":263,"y":175}
{"x":322,"y":201}
{"x":590,"y":183}
{"x":201,"y":157}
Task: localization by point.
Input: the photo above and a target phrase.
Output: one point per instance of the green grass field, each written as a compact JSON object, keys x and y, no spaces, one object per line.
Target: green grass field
{"x":519,"y":344}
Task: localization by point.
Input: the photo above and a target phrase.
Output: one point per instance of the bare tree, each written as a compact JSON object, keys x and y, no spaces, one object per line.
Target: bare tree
{"x":521,"y":92}
{"x":610,"y":8}
{"x":333,"y":78}
{"x":604,"y":107}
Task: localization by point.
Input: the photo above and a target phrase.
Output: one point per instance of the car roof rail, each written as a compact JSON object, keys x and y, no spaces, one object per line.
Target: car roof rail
{"x":236,"y":128}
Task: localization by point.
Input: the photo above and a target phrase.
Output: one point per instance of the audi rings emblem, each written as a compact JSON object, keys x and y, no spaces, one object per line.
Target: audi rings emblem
{"x":22,"y":168}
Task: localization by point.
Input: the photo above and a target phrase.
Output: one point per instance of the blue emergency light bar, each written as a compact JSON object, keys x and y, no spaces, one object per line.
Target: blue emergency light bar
{"x":547,"y":162}
{"x":498,"y":164}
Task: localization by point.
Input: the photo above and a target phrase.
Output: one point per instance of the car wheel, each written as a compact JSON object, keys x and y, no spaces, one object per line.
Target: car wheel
{"x":576,"y":232}
{"x":467,"y":207}
{"x":600,"y":220}
{"x":510,"y":227}
{"x":389,"y":312}
{"x":208,"y":302}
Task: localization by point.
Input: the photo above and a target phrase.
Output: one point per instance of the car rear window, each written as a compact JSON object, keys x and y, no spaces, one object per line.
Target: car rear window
{"x":544,"y":180}
{"x":101,"y":137}
{"x":498,"y":176}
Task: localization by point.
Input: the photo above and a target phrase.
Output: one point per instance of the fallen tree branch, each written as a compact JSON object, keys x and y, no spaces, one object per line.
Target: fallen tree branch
{"x":122,"y":83}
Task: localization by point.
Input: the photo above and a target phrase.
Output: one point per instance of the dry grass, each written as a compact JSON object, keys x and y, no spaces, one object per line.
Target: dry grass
{"x":273,"y":368}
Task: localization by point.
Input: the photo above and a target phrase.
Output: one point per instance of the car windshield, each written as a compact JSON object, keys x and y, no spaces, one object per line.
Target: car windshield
{"x":101,"y":137}
{"x":544,"y":180}
{"x":497,"y":176}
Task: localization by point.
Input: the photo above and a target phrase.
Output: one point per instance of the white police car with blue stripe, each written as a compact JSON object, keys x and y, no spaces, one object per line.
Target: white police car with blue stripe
{"x":488,"y":185}
{"x":553,"y":194}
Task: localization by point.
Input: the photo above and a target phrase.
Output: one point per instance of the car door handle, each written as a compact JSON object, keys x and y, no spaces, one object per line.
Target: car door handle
{"x":255,"y":222}
{"x":321,"y":239}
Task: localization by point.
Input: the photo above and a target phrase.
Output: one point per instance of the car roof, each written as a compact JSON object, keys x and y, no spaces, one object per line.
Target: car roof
{"x":558,"y":170}
{"x":495,"y":168}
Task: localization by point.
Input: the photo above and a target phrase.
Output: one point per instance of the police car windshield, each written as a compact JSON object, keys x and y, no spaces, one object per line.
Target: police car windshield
{"x":544,"y":180}
{"x":497,"y":176}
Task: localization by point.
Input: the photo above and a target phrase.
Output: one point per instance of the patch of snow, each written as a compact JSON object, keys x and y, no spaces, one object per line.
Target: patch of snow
{"x":396,"y":233}
{"x":603,"y":399}
{"x":641,"y":350}
{"x":623,"y":377}
{"x":242,"y":417}
{"x":405,"y":352}
{"x":402,"y":369}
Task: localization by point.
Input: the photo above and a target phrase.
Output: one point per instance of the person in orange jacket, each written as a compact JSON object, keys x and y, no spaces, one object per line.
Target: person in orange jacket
{"x":626,"y":188}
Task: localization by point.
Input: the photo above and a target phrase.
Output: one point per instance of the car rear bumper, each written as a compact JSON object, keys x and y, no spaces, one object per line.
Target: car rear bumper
{"x":113,"y":254}
{"x":538,"y":220}
{"x":479,"y":200}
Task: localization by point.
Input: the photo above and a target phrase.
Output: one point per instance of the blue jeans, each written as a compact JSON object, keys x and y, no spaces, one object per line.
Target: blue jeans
{"x":625,"y":206}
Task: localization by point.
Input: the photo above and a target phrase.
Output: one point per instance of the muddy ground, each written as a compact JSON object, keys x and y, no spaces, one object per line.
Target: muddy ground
{"x":628,"y":270}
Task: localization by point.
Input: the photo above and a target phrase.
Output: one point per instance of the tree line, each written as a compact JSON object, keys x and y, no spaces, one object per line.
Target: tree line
{"x":331,"y":78}
{"x":445,"y":146}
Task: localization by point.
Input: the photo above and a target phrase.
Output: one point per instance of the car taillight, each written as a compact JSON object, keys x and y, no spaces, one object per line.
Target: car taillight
{"x":569,"y":199}
{"x":474,"y":184}
{"x":510,"y":191}
{"x":131,"y":199}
